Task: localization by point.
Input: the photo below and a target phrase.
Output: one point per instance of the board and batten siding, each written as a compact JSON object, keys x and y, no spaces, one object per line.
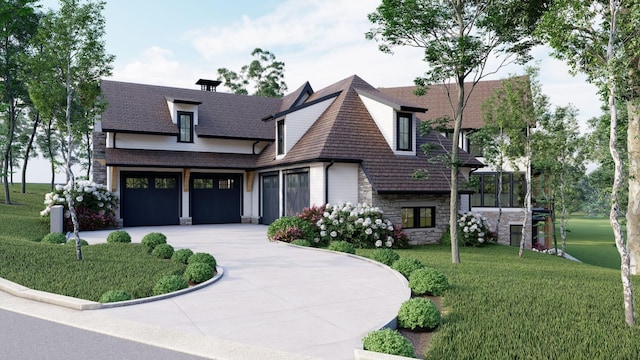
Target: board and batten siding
{"x":168,"y":142}
{"x":298,"y":122}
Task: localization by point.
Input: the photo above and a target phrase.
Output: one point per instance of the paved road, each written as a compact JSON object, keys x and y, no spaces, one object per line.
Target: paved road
{"x":27,"y":338}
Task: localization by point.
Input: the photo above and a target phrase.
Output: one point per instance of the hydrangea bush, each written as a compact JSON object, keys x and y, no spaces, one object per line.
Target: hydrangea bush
{"x":361,"y":225}
{"x":474,"y":229}
{"x":95,"y":205}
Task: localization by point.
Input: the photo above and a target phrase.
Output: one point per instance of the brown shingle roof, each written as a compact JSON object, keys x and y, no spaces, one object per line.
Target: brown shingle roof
{"x":347,"y":132}
{"x":439,"y":106}
{"x":142,"y":108}
{"x":179,"y":159}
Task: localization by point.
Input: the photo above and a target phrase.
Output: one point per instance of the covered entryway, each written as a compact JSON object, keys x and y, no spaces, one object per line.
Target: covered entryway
{"x":150,"y":198}
{"x":270,"y":199}
{"x":215,"y":198}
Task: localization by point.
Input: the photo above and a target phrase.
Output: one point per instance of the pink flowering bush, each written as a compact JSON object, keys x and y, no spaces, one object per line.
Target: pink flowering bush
{"x":95,"y":205}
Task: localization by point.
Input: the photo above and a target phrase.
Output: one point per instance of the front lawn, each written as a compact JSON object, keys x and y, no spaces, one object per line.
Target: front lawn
{"x":538,"y":307}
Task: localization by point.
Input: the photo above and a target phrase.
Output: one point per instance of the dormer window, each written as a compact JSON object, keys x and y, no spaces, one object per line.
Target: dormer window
{"x":185,"y":126}
{"x":280,"y":136}
{"x":404,"y":132}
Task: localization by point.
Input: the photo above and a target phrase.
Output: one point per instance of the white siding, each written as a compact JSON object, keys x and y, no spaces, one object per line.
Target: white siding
{"x":343,"y":183}
{"x":298,"y":122}
{"x":316,"y":184}
{"x":166,"y":142}
{"x":175,"y":107}
{"x":385,"y":118}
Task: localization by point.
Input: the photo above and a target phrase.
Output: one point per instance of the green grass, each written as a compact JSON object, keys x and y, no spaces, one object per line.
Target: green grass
{"x":537,"y":307}
{"x":591,"y":241}
{"x":54,"y":268}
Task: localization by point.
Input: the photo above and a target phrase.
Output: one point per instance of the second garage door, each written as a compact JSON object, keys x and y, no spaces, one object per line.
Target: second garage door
{"x":216,"y":198}
{"x":150,"y":198}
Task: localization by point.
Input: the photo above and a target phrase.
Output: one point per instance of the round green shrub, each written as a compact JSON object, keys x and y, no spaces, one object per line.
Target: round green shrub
{"x":182,"y":255}
{"x":428,"y":281}
{"x":290,"y":228}
{"x":163,"y":251}
{"x":342,"y":246}
{"x":119,"y":236}
{"x":203,"y":258}
{"x":419,"y":314}
{"x":198,"y":272}
{"x":406,"y":266}
{"x":388,"y":341}
{"x":385,"y":256}
{"x":170,"y":283}
{"x":114,"y":296}
{"x":72,"y":241}
{"x":54,"y":238}
{"x":151,"y":240}
{"x":301,"y":242}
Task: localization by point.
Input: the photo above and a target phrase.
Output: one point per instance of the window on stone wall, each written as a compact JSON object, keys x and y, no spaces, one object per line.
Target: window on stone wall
{"x":515,"y":235}
{"x":418,"y":217}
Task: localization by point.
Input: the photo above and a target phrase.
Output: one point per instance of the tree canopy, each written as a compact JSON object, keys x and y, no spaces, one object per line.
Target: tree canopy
{"x":264,"y":73}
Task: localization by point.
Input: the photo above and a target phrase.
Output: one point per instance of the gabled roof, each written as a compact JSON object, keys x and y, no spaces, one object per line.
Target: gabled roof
{"x":346,"y":132}
{"x":439,"y":106}
{"x":138,"y":108}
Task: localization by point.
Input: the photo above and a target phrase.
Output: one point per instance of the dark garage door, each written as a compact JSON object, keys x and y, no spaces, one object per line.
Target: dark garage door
{"x":297,"y":193}
{"x":150,"y":199}
{"x":270,"y":198}
{"x":216,"y":198}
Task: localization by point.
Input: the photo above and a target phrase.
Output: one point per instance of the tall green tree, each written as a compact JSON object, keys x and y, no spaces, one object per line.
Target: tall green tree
{"x":18,"y":23}
{"x":458,"y":37}
{"x":73,"y":57}
{"x":264,"y":73}
{"x":601,"y":39}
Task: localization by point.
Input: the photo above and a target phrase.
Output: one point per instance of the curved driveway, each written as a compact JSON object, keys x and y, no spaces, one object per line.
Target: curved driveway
{"x":309,"y":303}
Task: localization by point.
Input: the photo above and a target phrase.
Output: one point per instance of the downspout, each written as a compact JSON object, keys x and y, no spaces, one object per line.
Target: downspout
{"x":253,"y":147}
{"x":326,"y":182}
{"x":114,"y":140}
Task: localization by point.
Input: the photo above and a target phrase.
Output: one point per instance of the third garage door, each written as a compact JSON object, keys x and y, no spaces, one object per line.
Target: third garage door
{"x":216,"y":198}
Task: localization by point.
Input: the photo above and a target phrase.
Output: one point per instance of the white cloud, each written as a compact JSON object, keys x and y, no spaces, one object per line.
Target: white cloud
{"x":156,"y":66}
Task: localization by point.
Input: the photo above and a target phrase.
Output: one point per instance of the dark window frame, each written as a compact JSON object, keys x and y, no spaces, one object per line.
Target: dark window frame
{"x":181,"y":133}
{"x":417,"y":217}
{"x":409,"y":133}
{"x":515,"y":234}
{"x":512,"y":187}
{"x":280,"y":137}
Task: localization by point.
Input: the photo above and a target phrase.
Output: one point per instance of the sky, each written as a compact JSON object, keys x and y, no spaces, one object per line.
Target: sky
{"x":175,"y":43}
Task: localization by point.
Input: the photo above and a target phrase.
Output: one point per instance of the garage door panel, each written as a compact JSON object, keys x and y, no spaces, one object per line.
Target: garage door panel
{"x":216,"y":198}
{"x":150,"y":199}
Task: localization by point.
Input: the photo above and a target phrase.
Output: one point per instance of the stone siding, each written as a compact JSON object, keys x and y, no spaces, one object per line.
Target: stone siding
{"x":99,"y":165}
{"x":365,"y":189}
{"x":509,"y":217}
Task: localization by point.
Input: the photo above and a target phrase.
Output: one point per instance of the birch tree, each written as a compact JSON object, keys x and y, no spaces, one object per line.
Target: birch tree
{"x":73,"y":56}
{"x":459,"y":38}
{"x":600,"y":39}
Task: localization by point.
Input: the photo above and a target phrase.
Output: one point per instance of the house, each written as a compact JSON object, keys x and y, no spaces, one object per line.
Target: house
{"x":180,"y":156}
{"x":485,"y":199}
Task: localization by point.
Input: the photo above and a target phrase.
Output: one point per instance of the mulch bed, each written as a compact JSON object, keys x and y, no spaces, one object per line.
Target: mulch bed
{"x":421,"y":339}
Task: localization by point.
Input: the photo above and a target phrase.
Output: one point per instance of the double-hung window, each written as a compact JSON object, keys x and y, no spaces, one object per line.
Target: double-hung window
{"x":185,"y":126}
{"x":404,"y":132}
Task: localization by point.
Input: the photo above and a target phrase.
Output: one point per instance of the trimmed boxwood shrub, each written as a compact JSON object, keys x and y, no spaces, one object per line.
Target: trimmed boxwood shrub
{"x":151,"y":240}
{"x":203,"y":258}
{"x":385,"y":256}
{"x":342,"y":246}
{"x":72,"y":241}
{"x":163,"y":251}
{"x":198,"y":272}
{"x":119,"y":236}
{"x":114,"y":296}
{"x":182,"y":255}
{"x":428,"y":281}
{"x":406,"y":266}
{"x":290,"y":228}
{"x":419,"y":314}
{"x":301,"y":242}
{"x":54,"y":238}
{"x":169,"y":283}
{"x":388,"y":341}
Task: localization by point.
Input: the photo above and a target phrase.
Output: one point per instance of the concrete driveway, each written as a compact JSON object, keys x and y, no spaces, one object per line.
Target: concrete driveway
{"x":273,"y":295}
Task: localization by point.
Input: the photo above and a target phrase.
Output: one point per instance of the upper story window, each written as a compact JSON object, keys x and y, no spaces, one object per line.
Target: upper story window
{"x":512,"y":194}
{"x":185,"y":126}
{"x":404,"y":132}
{"x":280,"y":136}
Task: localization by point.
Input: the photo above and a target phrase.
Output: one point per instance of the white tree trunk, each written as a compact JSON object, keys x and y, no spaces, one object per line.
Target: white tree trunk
{"x":527,"y":198}
{"x":633,"y":208}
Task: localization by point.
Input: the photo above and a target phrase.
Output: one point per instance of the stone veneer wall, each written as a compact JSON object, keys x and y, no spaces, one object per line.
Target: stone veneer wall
{"x":391,"y":204}
{"x":509,"y":217}
{"x":99,"y":165}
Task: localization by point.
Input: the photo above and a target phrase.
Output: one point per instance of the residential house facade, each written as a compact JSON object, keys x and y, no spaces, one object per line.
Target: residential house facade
{"x":182,"y":156}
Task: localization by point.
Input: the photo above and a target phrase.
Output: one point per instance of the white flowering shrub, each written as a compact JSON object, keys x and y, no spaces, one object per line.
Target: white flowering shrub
{"x":361,"y":225}
{"x":95,"y":205}
{"x":473,"y":229}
